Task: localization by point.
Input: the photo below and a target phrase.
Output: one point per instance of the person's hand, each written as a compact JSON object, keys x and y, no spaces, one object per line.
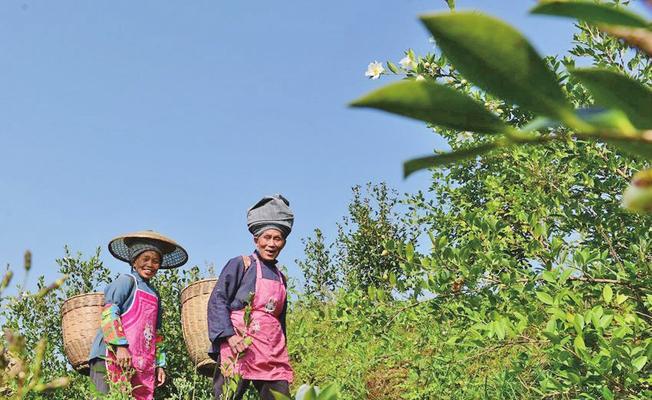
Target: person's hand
{"x":122,"y":357}
{"x":237,"y":343}
{"x":160,"y":376}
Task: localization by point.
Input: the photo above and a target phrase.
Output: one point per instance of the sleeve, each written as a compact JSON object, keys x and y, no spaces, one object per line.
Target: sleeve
{"x":160,"y":351}
{"x":219,"y":312}
{"x":116,"y":295}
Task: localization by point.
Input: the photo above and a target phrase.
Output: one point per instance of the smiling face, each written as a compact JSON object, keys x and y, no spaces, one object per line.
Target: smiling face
{"x":269,"y":244}
{"x":147,"y":264}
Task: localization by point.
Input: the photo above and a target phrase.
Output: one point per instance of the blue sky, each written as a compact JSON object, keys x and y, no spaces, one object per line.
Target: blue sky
{"x":176,"y":116}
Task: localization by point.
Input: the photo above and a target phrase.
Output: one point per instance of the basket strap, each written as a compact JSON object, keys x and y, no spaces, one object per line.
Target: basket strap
{"x":247,"y":262}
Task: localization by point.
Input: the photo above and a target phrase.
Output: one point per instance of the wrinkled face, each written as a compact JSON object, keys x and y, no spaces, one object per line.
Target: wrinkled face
{"x":147,"y":264}
{"x":269,"y":244}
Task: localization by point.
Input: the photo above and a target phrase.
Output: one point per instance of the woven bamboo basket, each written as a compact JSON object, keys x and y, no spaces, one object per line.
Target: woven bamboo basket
{"x":194,"y":304}
{"x":81,"y":320}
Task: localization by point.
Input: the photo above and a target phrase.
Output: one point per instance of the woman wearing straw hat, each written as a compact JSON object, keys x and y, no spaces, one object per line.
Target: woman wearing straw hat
{"x":128,"y":345}
{"x":255,"y":351}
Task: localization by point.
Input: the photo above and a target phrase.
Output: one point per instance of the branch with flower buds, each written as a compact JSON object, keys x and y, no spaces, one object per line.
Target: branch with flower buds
{"x":18,"y":376}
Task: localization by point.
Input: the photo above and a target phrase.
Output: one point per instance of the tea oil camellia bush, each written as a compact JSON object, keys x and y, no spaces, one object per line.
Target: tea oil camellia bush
{"x":38,"y":316}
{"x":21,"y":371}
{"x":517,"y":274}
{"x":503,"y":65}
{"x":537,"y":281}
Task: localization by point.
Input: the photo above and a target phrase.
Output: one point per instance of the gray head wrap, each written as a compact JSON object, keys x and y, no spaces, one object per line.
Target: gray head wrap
{"x":141,"y":246}
{"x":271,"y":212}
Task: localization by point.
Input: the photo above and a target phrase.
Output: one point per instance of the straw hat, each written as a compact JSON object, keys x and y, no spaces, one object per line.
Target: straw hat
{"x":173,"y":254}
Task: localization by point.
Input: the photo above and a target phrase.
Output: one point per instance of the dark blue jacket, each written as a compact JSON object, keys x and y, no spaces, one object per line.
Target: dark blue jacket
{"x":231,"y":293}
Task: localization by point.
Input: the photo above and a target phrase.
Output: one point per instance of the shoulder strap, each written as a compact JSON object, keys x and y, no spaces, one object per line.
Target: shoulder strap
{"x":247,"y":262}
{"x":134,"y":284}
{"x":132,"y":291}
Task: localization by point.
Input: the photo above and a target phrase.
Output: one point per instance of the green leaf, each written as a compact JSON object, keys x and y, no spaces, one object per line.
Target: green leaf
{"x":606,"y":393}
{"x":392,"y":278}
{"x":500,"y":329}
{"x":605,"y":321}
{"x":638,"y":195}
{"x":639,"y":363}
{"x":310,"y":394}
{"x":640,"y":147}
{"x":549,"y":276}
{"x":590,"y":12}
{"x":615,"y":90}
{"x":392,"y":67}
{"x":409,"y":252}
{"x":551,"y":326}
{"x":503,"y":62}
{"x":579,"y":343}
{"x":491,"y":329}
{"x":433,"y":103}
{"x":539,"y":123}
{"x":417,"y":164}
{"x":279,"y":396}
{"x":614,"y":127}
{"x":578,"y":323}
{"x":607,"y":293}
{"x":598,"y":311}
{"x":545,"y":298}
{"x":565,"y":275}
{"x":621,"y":332}
{"x":621,"y":298}
{"x":609,"y":120}
{"x":451,"y":4}
{"x":573,"y":377}
{"x":330,"y":392}
{"x":640,"y":38}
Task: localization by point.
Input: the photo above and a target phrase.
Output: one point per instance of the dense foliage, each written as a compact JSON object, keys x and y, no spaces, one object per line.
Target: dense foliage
{"x":516,"y":274}
{"x":537,"y":282}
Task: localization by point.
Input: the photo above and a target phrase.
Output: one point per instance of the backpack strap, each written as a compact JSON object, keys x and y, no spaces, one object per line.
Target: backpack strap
{"x":247,"y":262}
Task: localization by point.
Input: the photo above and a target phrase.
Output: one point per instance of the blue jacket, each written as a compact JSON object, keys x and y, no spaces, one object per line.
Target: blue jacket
{"x":121,"y":293}
{"x":231,"y":293}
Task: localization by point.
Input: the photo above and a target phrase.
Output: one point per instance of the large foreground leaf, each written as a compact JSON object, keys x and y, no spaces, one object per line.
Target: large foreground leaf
{"x":635,"y":37}
{"x":439,"y":105}
{"x":636,"y":147}
{"x":614,"y":90}
{"x":438,"y":160}
{"x":498,"y":59}
{"x":590,"y":12}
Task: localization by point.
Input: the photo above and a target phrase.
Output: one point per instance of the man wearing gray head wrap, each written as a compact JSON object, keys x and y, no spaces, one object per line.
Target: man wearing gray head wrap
{"x":259,"y":350}
{"x":270,"y":212}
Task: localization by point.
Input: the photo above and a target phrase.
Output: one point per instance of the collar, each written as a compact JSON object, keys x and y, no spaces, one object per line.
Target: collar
{"x":138,"y":277}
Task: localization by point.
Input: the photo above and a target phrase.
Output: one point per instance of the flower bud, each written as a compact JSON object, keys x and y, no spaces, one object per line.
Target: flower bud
{"x":54,"y":384}
{"x":638,"y":195}
{"x":28,"y":260}
{"x":6,"y":280}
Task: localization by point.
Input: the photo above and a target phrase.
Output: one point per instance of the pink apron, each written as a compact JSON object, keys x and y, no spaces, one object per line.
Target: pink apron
{"x":267,"y":357}
{"x":139,"y":323}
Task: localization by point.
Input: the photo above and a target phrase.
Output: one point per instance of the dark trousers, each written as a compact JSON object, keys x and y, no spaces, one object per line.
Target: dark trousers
{"x":98,"y":375}
{"x":263,"y":388}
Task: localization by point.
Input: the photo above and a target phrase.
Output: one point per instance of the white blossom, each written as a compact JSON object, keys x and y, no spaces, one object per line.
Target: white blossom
{"x":464,"y":137}
{"x":374,"y":70}
{"x":408,"y":63}
{"x":420,"y":78}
